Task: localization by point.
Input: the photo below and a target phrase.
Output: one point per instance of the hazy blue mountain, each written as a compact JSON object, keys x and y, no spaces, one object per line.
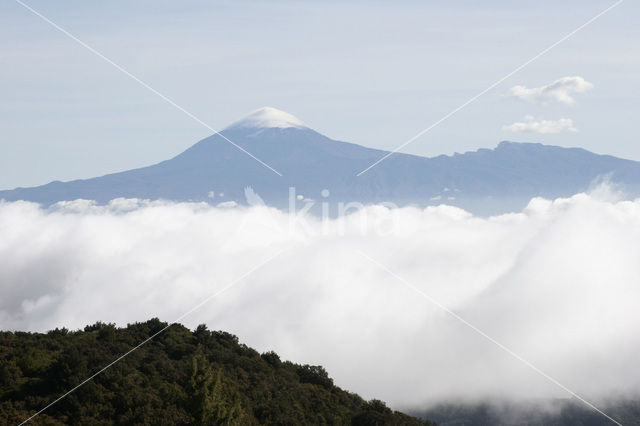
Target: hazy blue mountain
{"x":213,"y":170}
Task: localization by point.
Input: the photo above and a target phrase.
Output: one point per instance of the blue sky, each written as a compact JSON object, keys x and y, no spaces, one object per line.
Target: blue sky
{"x":372,"y":73}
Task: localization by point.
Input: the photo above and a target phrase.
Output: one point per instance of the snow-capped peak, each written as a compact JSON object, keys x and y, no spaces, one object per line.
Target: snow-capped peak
{"x":269,"y":117}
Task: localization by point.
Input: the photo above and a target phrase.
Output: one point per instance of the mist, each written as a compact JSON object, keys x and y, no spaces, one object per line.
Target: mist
{"x":375,"y":297}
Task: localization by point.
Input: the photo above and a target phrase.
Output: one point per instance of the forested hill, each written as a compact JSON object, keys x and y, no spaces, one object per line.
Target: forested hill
{"x":180,"y":377}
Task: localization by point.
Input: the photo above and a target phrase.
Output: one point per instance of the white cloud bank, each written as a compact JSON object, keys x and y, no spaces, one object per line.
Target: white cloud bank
{"x":559,"y":91}
{"x":557,"y":283}
{"x":532,"y":125}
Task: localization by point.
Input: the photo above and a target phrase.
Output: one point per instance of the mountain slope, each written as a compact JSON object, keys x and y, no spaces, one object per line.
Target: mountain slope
{"x":180,"y":377}
{"x":214,"y":170}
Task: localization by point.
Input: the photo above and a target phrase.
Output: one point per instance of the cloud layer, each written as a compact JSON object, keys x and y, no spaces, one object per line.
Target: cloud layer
{"x":532,"y":125}
{"x":559,"y":91}
{"x":556,"y":283}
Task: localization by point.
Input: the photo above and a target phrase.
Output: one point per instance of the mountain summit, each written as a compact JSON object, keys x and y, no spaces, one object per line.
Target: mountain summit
{"x":268,"y":117}
{"x":216,"y":171}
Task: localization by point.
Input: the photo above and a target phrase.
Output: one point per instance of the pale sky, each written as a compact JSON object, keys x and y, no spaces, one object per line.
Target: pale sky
{"x":372,"y":73}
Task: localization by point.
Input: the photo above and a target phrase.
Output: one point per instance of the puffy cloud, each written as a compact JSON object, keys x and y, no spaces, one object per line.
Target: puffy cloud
{"x":541,"y":126}
{"x":558,"y":91}
{"x":557,"y":283}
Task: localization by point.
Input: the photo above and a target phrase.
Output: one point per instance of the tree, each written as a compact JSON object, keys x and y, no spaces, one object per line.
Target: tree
{"x":314,"y":374}
{"x":213,"y":401}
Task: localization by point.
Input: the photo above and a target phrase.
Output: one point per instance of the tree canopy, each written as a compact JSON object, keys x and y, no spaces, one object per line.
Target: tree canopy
{"x":180,"y":377}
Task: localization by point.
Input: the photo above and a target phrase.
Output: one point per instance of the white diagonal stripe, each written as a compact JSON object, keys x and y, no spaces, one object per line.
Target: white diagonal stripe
{"x":142,"y":83}
{"x":486,"y":336}
{"x":497,"y":82}
{"x":199,"y":305}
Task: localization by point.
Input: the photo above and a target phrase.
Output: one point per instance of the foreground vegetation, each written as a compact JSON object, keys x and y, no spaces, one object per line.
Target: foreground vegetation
{"x":180,"y":377}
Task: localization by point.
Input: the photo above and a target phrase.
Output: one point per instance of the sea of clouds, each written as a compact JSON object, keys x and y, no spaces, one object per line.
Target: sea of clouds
{"x":377,"y":297}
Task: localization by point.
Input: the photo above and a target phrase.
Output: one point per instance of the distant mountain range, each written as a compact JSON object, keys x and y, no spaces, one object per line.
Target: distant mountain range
{"x":215,"y":171}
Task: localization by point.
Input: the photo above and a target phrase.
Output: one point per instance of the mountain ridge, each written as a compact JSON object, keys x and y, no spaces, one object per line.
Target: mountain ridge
{"x":485,"y":181}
